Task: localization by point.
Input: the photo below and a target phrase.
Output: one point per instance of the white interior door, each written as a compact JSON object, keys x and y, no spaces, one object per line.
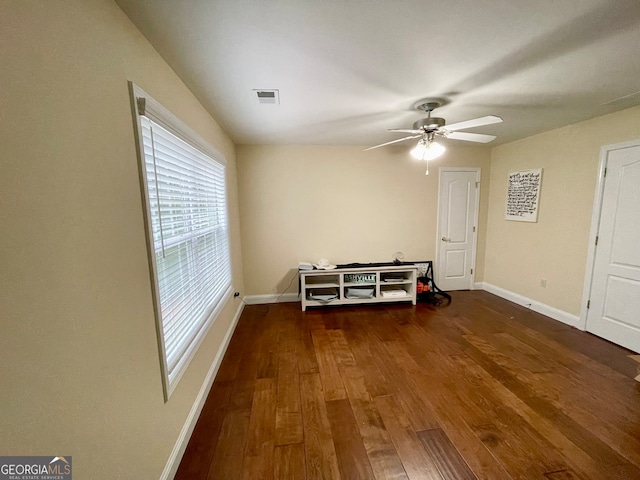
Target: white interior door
{"x":457,"y":221}
{"x":614,"y":303}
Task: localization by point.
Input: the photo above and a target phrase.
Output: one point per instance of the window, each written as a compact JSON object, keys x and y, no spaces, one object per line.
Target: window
{"x":185,"y":200}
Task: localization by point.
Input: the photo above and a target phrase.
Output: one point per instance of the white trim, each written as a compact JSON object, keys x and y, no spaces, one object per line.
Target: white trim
{"x":173,"y":462}
{"x":274,"y":298}
{"x":595,"y":226}
{"x":476,"y":215}
{"x":543,"y":308}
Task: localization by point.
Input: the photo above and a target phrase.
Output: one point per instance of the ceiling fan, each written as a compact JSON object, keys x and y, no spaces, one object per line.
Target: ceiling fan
{"x":428,"y":128}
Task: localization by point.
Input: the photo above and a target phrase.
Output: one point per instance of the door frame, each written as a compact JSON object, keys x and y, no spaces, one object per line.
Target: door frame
{"x":595,"y":226}
{"x":474,"y":245}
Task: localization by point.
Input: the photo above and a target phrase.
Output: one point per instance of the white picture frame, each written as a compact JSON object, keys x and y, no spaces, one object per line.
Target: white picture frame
{"x":523,"y":195}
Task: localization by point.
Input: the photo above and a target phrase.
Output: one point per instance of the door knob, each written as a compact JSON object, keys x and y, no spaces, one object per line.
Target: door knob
{"x":445,"y":239}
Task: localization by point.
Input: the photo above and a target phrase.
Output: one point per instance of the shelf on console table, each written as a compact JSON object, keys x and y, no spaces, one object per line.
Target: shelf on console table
{"x":379,"y":279}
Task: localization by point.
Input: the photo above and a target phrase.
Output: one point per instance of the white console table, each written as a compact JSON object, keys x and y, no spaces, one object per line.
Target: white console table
{"x":358,"y":285}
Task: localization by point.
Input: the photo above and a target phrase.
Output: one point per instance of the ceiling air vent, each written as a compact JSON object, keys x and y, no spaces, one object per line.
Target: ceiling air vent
{"x":267,"y":96}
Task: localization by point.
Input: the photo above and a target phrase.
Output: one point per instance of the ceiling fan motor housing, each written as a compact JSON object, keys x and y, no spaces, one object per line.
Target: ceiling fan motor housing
{"x":431,"y":123}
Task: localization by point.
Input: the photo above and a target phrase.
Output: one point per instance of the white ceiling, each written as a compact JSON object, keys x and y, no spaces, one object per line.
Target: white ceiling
{"x":348,"y":70}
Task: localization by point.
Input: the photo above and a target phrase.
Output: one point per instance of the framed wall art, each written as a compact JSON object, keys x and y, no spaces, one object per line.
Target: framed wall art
{"x":523,"y":195}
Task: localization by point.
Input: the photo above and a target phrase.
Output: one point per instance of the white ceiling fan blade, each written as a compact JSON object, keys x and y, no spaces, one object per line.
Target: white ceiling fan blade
{"x":476,"y":122}
{"x":415,"y":132}
{"x":392,"y":141}
{"x":471,"y":137}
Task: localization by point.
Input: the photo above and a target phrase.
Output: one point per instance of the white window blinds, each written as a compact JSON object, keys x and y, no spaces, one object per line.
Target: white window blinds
{"x":187,"y":219}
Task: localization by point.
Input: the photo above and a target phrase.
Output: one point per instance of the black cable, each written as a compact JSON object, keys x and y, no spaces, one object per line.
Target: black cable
{"x":287,"y":287}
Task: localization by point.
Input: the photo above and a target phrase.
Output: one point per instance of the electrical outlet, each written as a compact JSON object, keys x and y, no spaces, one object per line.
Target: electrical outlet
{"x":543,"y":283}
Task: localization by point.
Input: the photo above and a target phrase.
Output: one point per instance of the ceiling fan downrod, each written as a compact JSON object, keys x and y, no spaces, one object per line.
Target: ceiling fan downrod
{"x":430,"y":123}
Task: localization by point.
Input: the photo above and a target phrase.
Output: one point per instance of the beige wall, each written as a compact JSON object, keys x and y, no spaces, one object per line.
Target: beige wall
{"x":518,"y":254}
{"x":302,"y":203}
{"x":79,"y":364}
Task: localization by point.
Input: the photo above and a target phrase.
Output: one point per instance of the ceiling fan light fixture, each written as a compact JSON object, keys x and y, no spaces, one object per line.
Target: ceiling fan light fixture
{"x":426,"y":150}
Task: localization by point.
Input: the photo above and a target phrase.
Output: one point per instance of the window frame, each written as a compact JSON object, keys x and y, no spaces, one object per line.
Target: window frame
{"x":163,"y":117}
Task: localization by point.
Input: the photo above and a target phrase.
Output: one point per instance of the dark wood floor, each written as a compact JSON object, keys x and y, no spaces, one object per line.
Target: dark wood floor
{"x":481,"y":388}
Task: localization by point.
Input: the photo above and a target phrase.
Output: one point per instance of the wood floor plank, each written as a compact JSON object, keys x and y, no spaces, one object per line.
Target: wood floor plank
{"x":242,"y":338}
{"x":416,"y":461}
{"x":268,"y":356}
{"x":305,"y":350}
{"x":204,"y":439}
{"x":289,"y":462}
{"x":383,"y":457}
{"x":320,"y":455}
{"x":288,"y":424}
{"x":517,"y":431}
{"x":229,"y":453}
{"x":408,"y":374}
{"x":376,"y":382}
{"x":249,"y":364}
{"x":475,"y":453}
{"x":352,"y":456}
{"x":287,"y":329}
{"x":422,"y":416}
{"x":521,"y":353}
{"x":605,"y":353}
{"x":561,"y":475}
{"x":327,"y":363}
{"x":258,"y":458}
{"x":447,"y":458}
{"x":514,"y":458}
{"x":341,"y":350}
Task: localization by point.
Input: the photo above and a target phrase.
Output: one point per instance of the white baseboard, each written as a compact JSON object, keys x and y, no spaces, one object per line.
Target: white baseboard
{"x":275,"y":298}
{"x":180,"y":446}
{"x":543,"y":308}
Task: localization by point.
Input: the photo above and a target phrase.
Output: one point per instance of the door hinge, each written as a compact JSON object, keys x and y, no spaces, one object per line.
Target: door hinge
{"x":588,"y":304}
{"x":596,"y":240}
{"x":605,"y":171}
{"x":477,"y":184}
{"x":474,"y":229}
{"x":472,"y":271}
